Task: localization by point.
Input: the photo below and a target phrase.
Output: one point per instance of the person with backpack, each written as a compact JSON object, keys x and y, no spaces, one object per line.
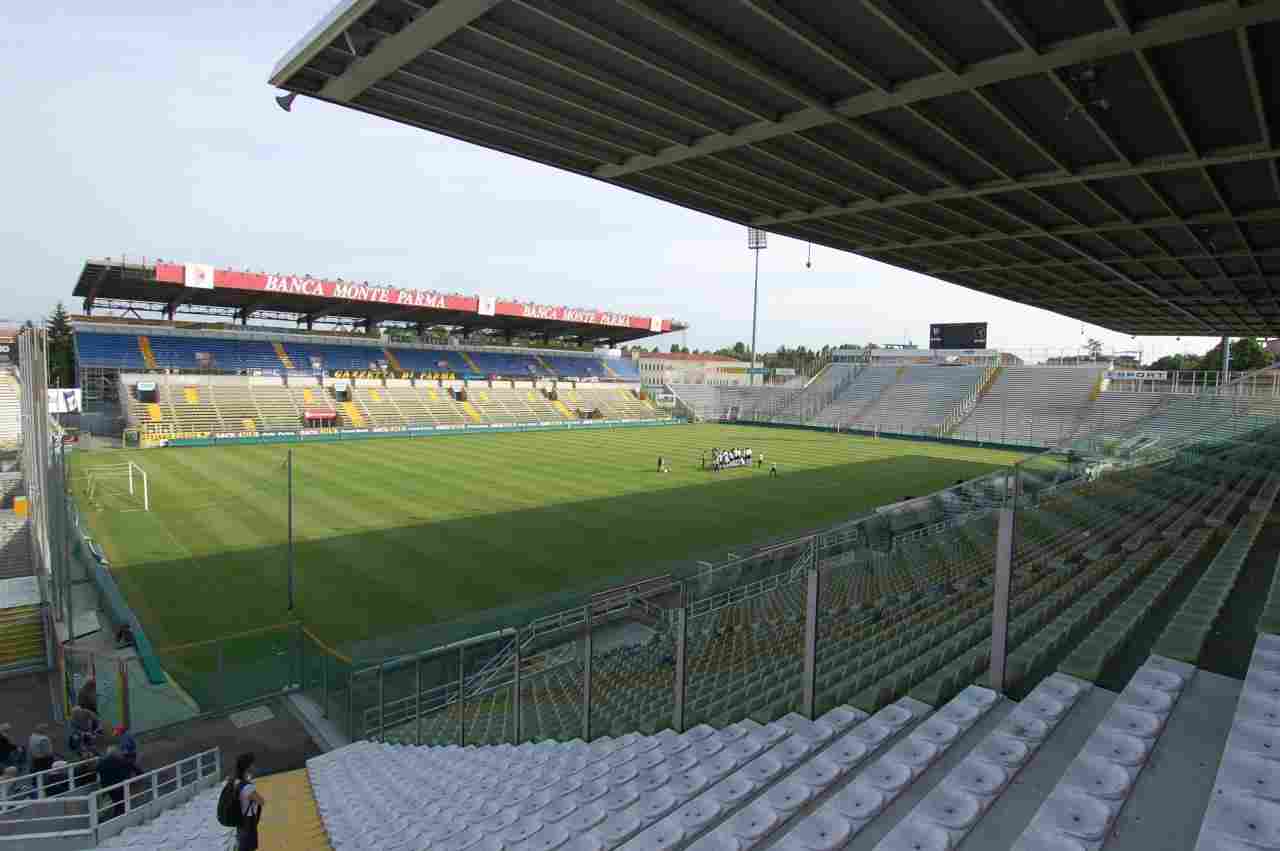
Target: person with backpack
{"x":240,"y":805}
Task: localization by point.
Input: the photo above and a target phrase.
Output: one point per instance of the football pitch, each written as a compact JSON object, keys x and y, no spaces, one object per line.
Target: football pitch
{"x":396,"y":533}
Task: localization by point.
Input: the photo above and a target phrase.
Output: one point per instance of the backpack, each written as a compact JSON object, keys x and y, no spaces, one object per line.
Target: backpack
{"x":229,"y":813}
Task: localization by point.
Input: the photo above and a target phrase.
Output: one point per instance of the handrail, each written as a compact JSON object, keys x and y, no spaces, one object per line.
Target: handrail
{"x":83,"y":815}
{"x":62,"y":778}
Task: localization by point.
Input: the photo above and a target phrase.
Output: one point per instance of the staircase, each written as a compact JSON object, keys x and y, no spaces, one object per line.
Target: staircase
{"x":466,"y":356}
{"x":283,"y":355}
{"x":962,"y":411}
{"x":471,"y":411}
{"x":148,"y":356}
{"x":392,"y":360}
{"x":550,"y":370}
{"x":353,"y":414}
{"x":21,"y":638}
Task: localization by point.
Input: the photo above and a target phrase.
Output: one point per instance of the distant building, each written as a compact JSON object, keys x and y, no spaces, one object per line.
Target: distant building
{"x":688,"y":368}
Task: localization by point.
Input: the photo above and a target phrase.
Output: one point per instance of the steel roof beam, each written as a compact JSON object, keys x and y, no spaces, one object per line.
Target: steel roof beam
{"x":641,"y":56}
{"x":1119,"y":11}
{"x":908,"y":31}
{"x":1151,"y":165}
{"x":570,"y":66}
{"x":1268,"y":215}
{"x":521,"y":110}
{"x":1255,"y":96}
{"x":1013,"y":24}
{"x":563,"y":147}
{"x":391,"y":54}
{"x":1137,"y":258}
{"x":1169,"y":29}
{"x":816,"y":41}
{"x":549,"y":90}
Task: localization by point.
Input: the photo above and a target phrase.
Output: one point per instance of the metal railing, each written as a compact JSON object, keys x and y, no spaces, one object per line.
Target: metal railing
{"x":50,"y":783}
{"x":778,"y":636}
{"x":106,"y":811}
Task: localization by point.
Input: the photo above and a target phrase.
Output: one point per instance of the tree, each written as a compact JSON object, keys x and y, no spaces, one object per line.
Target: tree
{"x":1094,"y":347}
{"x":1247,"y":354}
{"x":62,"y":368}
{"x":1176,"y":363}
{"x":740,"y":350}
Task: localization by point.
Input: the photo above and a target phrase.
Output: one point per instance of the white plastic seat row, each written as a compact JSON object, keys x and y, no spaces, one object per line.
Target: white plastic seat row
{"x":952,"y":809}
{"x":1244,"y":809}
{"x":1085,"y":803}
{"x":806,"y":760}
{"x":633,"y":782}
{"x":841,"y":817}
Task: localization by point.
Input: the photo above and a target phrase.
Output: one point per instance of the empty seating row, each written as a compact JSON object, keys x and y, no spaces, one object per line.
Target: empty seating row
{"x":150,"y":349}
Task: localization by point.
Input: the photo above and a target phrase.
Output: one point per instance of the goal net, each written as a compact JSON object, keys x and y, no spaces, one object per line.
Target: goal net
{"x":119,"y":487}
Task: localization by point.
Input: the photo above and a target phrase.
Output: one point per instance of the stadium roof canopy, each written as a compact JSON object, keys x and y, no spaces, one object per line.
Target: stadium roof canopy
{"x":170,"y":289}
{"x":1111,"y":160}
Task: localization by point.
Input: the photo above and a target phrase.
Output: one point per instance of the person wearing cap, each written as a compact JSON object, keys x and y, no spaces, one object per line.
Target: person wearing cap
{"x":128,"y":746}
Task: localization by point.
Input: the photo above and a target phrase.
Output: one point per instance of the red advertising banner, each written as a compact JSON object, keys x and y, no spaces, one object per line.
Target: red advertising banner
{"x":226,"y":279}
{"x":582,"y":316}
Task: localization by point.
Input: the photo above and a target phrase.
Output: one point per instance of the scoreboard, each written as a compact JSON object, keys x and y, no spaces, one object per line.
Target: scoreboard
{"x":958,"y":335}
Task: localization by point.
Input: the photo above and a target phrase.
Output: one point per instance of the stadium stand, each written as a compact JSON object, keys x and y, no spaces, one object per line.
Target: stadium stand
{"x":107,"y":347}
{"x":10,"y":417}
{"x":906,"y":752}
{"x":1040,"y":405}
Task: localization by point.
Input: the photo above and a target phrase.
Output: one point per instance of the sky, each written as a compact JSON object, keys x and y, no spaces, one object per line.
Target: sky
{"x":150,"y":131}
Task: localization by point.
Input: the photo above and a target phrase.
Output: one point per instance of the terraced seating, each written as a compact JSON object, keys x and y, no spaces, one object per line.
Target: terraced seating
{"x":921,"y":397}
{"x":379,"y":407}
{"x":10,"y":413}
{"x":1039,"y":405}
{"x":191,"y":407}
{"x":276,"y":407}
{"x":1186,"y":633}
{"x":234,"y":405}
{"x":440,"y":403}
{"x":1116,"y":412}
{"x":1083,"y":806}
{"x":1149,"y":587}
{"x":1242,"y":812}
{"x":490,"y":405}
{"x":860,"y":395}
{"x":408,"y":401}
{"x":516,"y":403}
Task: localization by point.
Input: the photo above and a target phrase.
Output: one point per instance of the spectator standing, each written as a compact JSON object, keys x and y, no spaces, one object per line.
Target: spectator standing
{"x":11,"y":789}
{"x":8,"y":750}
{"x":88,"y":696}
{"x":56,"y":783}
{"x":113,"y":770}
{"x":251,"y":804}
{"x":128,"y":746}
{"x":85,"y":729}
{"x":40,"y":748}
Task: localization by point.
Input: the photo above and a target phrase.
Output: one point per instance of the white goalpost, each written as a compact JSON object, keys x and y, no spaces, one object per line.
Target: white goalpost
{"x":114,"y":480}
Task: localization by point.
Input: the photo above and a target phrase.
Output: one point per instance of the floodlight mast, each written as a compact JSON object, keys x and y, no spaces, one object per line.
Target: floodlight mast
{"x":757,"y":241}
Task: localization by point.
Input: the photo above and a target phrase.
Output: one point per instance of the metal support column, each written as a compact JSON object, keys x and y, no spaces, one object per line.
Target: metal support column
{"x":586,"y":677}
{"x":1226,"y":361}
{"x":1000,"y":602}
{"x":810,"y":637}
{"x":515,"y":696}
{"x":417,"y":700}
{"x":462,"y":684}
{"x":681,"y":639}
{"x":382,"y":705}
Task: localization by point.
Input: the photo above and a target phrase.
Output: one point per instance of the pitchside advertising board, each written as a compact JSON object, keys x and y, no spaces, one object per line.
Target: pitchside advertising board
{"x":205,"y":277}
{"x":958,"y":335}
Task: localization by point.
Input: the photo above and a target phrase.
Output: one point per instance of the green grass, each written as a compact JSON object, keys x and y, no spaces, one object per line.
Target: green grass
{"x":397,"y":533}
